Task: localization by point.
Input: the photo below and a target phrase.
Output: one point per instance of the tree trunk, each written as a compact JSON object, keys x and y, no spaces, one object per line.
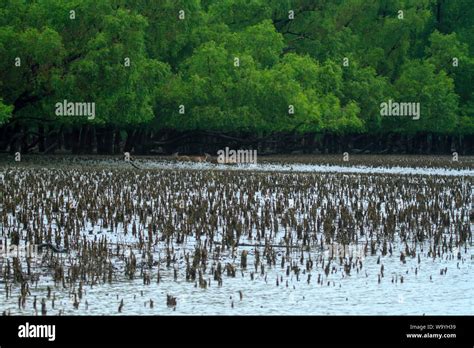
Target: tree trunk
{"x":117,"y":142}
{"x":41,"y":140}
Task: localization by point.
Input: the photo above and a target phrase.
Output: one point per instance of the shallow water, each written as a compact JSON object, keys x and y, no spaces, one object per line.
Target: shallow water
{"x":275,"y":167}
{"x":357,"y":294}
{"x":360,"y":293}
{"x":314,"y":168}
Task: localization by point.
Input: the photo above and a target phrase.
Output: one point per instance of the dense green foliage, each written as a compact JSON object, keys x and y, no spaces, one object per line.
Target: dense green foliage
{"x":240,"y":65}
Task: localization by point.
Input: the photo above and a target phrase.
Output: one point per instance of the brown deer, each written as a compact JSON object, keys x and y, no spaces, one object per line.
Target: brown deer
{"x":177,"y":157}
{"x":201,"y":158}
{"x":198,"y":159}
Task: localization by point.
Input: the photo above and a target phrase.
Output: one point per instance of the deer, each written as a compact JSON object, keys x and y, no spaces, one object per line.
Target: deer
{"x":177,"y":157}
{"x":198,"y":159}
{"x":201,"y":158}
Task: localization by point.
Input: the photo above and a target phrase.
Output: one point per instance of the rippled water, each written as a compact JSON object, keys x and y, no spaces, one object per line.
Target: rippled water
{"x":314,"y":168}
{"x":424,"y":290}
{"x":427,"y":292}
